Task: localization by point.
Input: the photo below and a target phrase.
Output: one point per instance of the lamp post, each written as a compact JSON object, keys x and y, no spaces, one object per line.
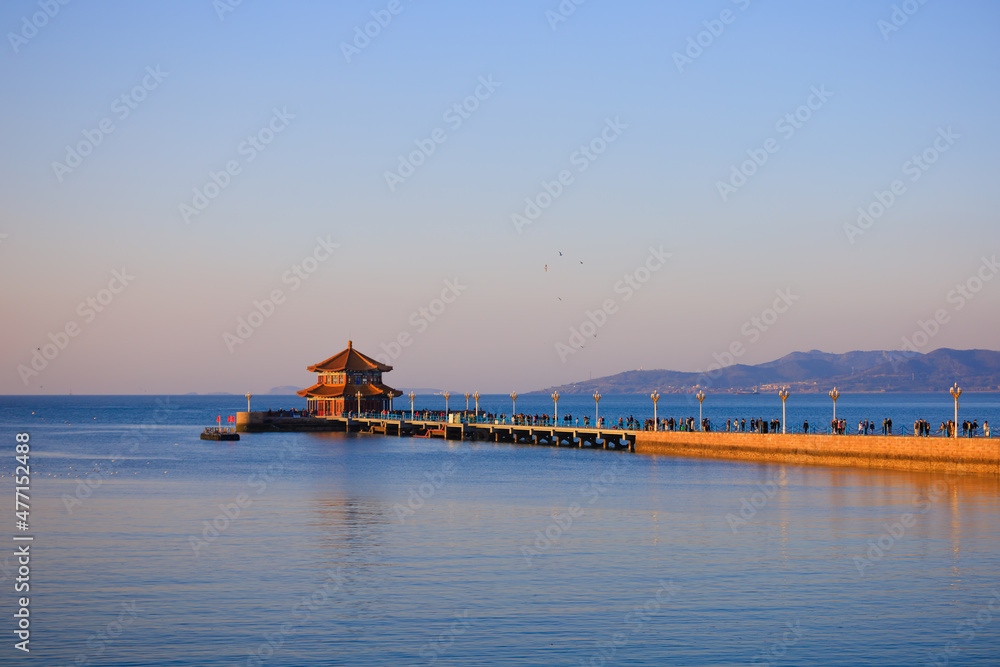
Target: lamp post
{"x":701,"y":397}
{"x":447,"y":395}
{"x":656,"y":399}
{"x":555,"y":399}
{"x":412,"y":396}
{"x":513,"y":398}
{"x":597,"y":404}
{"x":956,"y":392}
{"x":834,"y":394}
{"x":249,"y":396}
{"x":476,"y":396}
{"x":784,"y":396}
{"x":467,"y":394}
{"x":359,"y":402}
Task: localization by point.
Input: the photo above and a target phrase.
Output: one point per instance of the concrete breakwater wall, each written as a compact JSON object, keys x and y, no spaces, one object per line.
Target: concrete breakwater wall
{"x":974,"y":455}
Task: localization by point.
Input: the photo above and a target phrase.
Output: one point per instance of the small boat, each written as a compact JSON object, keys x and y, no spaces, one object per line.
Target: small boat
{"x":220,"y":433}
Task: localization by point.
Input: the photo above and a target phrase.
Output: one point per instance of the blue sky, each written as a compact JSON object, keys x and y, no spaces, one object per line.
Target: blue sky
{"x":330,"y":127}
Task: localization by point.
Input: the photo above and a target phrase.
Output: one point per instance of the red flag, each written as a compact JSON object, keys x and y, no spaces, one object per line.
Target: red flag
{"x":218,"y":419}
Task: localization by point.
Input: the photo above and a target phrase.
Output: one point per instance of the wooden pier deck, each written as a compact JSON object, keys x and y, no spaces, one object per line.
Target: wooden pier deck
{"x":555,"y":436}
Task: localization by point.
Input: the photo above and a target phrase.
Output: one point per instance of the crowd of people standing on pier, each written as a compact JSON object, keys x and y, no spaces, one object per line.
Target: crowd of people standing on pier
{"x":969,"y":429}
{"x":921,"y":427}
{"x":733,"y":425}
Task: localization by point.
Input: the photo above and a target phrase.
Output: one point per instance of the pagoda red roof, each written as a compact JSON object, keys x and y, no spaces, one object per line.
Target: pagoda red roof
{"x":348,"y":390}
{"x":349,"y":360}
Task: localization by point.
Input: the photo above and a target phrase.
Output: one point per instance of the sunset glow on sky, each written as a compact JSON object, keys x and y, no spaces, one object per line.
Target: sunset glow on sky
{"x":205,"y":196}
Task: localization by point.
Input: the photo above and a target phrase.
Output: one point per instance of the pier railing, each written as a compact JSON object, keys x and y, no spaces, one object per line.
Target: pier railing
{"x":623,"y":424}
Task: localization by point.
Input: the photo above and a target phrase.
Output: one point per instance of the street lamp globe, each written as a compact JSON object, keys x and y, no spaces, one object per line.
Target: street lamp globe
{"x":784,"y":396}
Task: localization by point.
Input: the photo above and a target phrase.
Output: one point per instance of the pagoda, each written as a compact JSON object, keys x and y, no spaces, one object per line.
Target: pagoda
{"x":341,"y":378}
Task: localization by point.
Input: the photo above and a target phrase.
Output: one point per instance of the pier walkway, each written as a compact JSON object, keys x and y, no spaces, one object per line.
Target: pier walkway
{"x":962,"y":455}
{"x":544,"y":434}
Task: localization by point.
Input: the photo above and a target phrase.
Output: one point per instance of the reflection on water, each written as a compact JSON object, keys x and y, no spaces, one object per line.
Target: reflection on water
{"x":366,"y":550}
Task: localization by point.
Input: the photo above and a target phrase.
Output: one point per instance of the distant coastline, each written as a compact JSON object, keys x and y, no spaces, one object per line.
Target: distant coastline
{"x":859,"y":372}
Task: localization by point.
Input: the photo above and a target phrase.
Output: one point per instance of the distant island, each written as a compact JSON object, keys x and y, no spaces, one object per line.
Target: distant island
{"x":815,"y":371}
{"x":284,"y":390}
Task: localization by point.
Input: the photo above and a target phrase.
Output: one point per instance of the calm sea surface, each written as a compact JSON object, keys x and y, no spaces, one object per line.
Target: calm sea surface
{"x":153,"y":547}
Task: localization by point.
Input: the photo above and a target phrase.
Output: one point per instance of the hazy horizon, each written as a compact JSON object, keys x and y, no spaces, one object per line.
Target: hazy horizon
{"x":456,"y":390}
{"x":501,"y":197}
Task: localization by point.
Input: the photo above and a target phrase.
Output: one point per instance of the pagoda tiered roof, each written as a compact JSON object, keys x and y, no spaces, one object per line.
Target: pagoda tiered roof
{"x":349,"y":360}
{"x":349,"y":390}
{"x":361,"y":374}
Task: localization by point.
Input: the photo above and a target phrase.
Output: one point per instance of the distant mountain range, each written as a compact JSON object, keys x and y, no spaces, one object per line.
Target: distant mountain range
{"x":815,"y":371}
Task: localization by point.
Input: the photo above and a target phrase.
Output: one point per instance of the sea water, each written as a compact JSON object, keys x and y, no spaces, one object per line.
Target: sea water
{"x":152,"y":547}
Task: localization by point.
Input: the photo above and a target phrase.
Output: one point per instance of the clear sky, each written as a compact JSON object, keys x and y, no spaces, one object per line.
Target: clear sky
{"x":674,"y":169}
